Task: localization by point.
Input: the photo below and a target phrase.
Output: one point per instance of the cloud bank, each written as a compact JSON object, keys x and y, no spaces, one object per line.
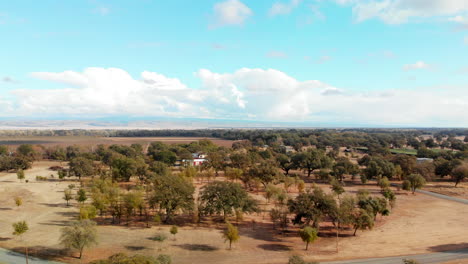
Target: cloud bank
{"x":245,"y":94}
{"x":401,"y":11}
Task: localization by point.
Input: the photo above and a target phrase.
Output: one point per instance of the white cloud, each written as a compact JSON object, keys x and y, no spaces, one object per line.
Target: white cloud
{"x":332,"y":91}
{"x":462,"y":22}
{"x":230,"y":12}
{"x":279,"y":8}
{"x":260,"y":94}
{"x":458,"y":19}
{"x":416,"y":66}
{"x":401,"y":11}
{"x":277,"y":54}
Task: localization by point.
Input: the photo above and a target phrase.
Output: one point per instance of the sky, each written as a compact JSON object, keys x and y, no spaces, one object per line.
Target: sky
{"x":354,"y":62}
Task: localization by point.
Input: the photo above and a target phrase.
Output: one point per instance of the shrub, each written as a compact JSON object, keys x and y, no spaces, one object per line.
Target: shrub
{"x":159,"y":237}
{"x":18,"y":201}
{"x":41,"y":178}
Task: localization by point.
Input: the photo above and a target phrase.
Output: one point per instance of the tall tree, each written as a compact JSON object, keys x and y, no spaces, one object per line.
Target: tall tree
{"x":311,"y":160}
{"x":362,"y":220}
{"x":308,"y":235}
{"x":312,"y":207}
{"x":81,"y":167}
{"x":231,"y":234}
{"x":79,"y":235}
{"x":225,"y":197}
{"x":460,"y":173}
{"x":19,"y":228}
{"x":265,"y":172}
{"x":286,"y":163}
{"x":20,"y":175}
{"x":413,"y":182}
{"x":172,"y":192}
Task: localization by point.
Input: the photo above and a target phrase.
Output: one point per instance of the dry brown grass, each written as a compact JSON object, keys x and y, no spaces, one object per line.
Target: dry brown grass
{"x":418,"y":224}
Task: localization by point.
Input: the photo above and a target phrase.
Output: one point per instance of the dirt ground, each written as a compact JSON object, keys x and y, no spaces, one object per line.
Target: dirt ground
{"x":418,"y":224}
{"x":89,"y":141}
{"x":448,"y":188}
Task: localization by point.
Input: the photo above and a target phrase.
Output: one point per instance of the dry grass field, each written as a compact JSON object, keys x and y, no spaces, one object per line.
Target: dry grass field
{"x":13,"y":142}
{"x":418,"y":224}
{"x":448,"y":188}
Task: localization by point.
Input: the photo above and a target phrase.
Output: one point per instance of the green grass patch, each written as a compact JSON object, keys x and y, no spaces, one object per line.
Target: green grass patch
{"x":404,"y":151}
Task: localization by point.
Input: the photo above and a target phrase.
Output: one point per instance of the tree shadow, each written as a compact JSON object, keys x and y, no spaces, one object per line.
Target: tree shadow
{"x":197,"y":247}
{"x":56,"y":223}
{"x":5,"y":238}
{"x":68,"y":214}
{"x":274,"y":247}
{"x":135,"y":248}
{"x":54,"y":205}
{"x":5,"y":209}
{"x":40,"y":252}
{"x":450,"y":247}
{"x":262,"y":231}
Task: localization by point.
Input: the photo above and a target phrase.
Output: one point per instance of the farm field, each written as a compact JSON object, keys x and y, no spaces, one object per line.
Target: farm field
{"x":416,"y":218}
{"x":90,"y":141}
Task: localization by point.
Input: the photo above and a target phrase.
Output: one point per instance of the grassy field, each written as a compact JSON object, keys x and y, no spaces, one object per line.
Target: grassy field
{"x":404,"y":151}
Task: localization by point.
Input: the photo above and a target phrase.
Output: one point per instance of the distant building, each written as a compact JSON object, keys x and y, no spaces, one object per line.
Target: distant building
{"x":197,"y":160}
{"x":422,"y":160}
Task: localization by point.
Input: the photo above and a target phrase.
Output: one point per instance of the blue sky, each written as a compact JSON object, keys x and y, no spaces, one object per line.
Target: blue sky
{"x":371,"y":62}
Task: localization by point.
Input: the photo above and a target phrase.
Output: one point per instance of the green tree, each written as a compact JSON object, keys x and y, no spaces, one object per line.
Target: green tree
{"x":174,"y":230}
{"x":311,"y":160}
{"x":79,"y":235}
{"x":165,"y":156}
{"x":216,"y":161}
{"x":460,"y":173}
{"x":26,"y":150}
{"x":81,"y":167}
{"x":132,"y":201}
{"x":225,"y":197}
{"x":19,"y":228}
{"x":123,"y":168}
{"x":337,"y":187}
{"x":67,"y":196}
{"x":233,"y":173}
{"x":362,"y":221}
{"x":172,"y":192}
{"x":81,"y":196}
{"x":231,"y":234}
{"x":413,"y":182}
{"x":312,"y":207}
{"x":20,"y":175}
{"x":62,"y":174}
{"x":87,"y":212}
{"x":286,"y":163}
{"x":308,"y":235}
{"x":384,"y":183}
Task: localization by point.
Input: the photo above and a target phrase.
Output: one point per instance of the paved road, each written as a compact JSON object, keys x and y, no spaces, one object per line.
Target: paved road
{"x":459,"y":200}
{"x":423,"y":259}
